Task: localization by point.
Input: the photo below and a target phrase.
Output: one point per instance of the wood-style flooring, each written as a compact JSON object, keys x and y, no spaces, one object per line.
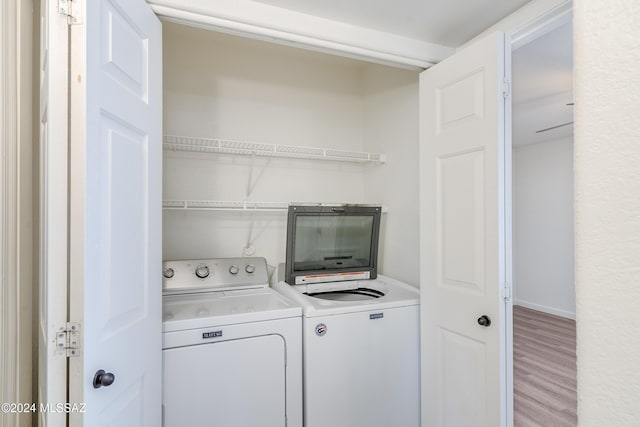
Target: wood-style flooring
{"x":544,"y":365}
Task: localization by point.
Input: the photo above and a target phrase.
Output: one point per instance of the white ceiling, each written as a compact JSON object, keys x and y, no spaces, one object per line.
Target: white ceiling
{"x":445,"y":22}
{"x":543,"y":86}
{"x":542,"y":69}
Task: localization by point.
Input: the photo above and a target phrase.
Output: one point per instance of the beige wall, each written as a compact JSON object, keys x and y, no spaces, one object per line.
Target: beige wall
{"x":215,"y":84}
{"x":391,"y":127}
{"x":607,"y":186}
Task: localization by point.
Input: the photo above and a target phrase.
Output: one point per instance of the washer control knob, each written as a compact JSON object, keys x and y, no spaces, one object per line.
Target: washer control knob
{"x":234,"y":269}
{"x":202,"y":271}
{"x":250,"y":268}
{"x":168,"y":273}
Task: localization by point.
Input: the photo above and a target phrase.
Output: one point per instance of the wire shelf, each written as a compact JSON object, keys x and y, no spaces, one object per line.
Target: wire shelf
{"x":244,"y":206}
{"x":219,"y":205}
{"x":225,"y":146}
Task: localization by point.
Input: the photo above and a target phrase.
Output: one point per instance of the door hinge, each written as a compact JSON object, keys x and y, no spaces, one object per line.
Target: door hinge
{"x":68,"y":340}
{"x":506,"y":88}
{"x":71,"y":9}
{"x":506,"y":292}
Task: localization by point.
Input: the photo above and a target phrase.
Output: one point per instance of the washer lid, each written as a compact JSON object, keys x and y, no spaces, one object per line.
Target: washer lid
{"x":357,"y":294}
{"x":180,"y":312}
{"x":350,"y":297}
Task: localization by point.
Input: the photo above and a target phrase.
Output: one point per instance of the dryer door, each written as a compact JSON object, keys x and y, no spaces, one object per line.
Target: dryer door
{"x":230,"y":383}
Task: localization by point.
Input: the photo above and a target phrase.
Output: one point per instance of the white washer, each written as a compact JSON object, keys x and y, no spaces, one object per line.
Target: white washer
{"x":361,"y":352}
{"x":231,"y":346}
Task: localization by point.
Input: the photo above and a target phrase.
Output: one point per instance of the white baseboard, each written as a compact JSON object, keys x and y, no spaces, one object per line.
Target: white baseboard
{"x":545,"y":309}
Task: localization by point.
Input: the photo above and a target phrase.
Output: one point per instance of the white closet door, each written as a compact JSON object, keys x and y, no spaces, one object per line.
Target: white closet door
{"x":118,"y":186}
{"x":464,"y":155}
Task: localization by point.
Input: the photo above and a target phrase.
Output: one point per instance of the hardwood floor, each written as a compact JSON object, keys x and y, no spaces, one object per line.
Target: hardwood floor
{"x":544,"y":377}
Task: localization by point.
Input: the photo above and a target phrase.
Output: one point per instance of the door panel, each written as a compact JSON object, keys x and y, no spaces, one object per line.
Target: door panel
{"x":463,"y":163}
{"x":460,"y":101}
{"x":460,"y":195}
{"x":124,"y":51}
{"x":462,"y":379}
{"x":122,"y":198}
{"x":117,"y":162}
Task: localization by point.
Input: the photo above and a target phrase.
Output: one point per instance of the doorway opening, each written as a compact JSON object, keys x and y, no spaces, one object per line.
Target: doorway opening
{"x":544,"y":340}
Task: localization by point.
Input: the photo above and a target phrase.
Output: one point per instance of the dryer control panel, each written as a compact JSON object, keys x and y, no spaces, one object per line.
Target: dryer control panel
{"x":214,"y":274}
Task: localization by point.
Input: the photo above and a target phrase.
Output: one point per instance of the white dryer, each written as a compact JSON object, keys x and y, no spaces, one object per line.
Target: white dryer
{"x":361,"y":352}
{"x":231,"y":346}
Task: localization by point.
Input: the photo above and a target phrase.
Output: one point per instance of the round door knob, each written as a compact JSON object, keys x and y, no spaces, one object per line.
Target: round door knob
{"x":103,"y":379}
{"x":202,"y":271}
{"x":234,"y":269}
{"x":250,"y":268}
{"x":168,"y":273}
{"x":484,"y":320}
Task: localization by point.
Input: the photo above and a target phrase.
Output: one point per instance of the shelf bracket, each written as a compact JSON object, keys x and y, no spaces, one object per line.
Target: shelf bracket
{"x":251,"y":184}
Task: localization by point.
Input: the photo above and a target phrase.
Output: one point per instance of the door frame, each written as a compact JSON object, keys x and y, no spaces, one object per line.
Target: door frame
{"x":541,"y":25}
{"x":53,"y":210}
{"x":77,"y":91}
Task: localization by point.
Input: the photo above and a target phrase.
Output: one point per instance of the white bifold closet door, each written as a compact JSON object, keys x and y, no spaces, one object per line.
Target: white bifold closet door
{"x":116,"y":156}
{"x":465,"y":156}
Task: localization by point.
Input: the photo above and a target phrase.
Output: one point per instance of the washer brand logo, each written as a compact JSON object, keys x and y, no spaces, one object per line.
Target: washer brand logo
{"x":376,"y":316}
{"x":213,"y":334}
{"x":321,"y":329}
